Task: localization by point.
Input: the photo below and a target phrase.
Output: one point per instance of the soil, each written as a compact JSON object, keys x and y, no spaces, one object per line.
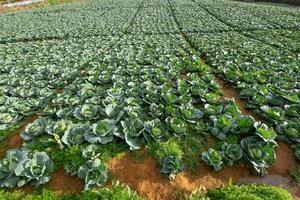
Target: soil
{"x":60,"y":90}
{"x":62,"y":183}
{"x":229,"y":92}
{"x":146,"y":179}
{"x":14,"y":140}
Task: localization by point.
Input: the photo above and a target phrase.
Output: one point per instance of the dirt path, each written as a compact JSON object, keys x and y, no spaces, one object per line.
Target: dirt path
{"x":14,"y":140}
{"x":61,"y":183}
{"x":229,"y":92}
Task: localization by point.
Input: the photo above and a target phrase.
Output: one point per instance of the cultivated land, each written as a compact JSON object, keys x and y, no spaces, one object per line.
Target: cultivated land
{"x":165,"y":96}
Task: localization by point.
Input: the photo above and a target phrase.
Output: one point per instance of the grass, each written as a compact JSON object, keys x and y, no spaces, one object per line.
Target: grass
{"x":116,"y":192}
{"x":244,"y":192}
{"x":160,"y":150}
{"x":122,"y":192}
{"x":295,"y":174}
{"x":188,"y":148}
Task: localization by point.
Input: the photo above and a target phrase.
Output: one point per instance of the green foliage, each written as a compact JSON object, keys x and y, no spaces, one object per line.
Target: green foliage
{"x":249,"y":192}
{"x":213,"y":158}
{"x":160,"y":150}
{"x":169,"y":155}
{"x":116,"y":192}
{"x":70,"y":158}
{"x":259,"y":155}
{"x":21,"y":166}
{"x":192,"y":145}
{"x":111,"y":150}
{"x":94,"y":173}
{"x":295,"y":174}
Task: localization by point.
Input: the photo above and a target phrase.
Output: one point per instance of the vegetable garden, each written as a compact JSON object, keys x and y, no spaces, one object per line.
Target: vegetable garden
{"x":98,"y":90}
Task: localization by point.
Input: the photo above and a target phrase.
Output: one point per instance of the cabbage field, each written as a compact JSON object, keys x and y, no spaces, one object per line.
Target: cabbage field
{"x":85,"y":85}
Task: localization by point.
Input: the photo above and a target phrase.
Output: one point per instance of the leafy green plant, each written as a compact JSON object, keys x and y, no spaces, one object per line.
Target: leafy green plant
{"x":245,"y":192}
{"x":259,"y":154}
{"x":213,"y":158}
{"x":169,"y":155}
{"x":21,"y":166}
{"x":221,"y":126}
{"x":289,"y":131}
{"x":232,"y":153}
{"x":102,"y":132}
{"x":171,"y":166}
{"x":94,"y":173}
{"x":34,"y":129}
{"x":87,"y":112}
{"x":155,"y":130}
{"x":74,"y":135}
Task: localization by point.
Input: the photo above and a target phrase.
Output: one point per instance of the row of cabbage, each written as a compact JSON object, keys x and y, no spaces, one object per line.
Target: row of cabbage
{"x":248,"y":17}
{"x":267,"y":77}
{"x":32,"y":72}
{"x":28,"y":26}
{"x":137,"y":17}
{"x":284,"y":39}
{"x":154,"y":19}
{"x":159,"y":91}
{"x":193,"y":18}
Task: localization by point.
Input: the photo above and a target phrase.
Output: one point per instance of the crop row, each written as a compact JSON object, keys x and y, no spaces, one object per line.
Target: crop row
{"x":267,"y":77}
{"x":140,"y":17}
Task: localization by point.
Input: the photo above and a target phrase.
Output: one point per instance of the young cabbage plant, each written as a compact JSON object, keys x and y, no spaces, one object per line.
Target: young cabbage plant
{"x":268,"y":135}
{"x":190,"y":113}
{"x":213,"y":158}
{"x":232,"y":153}
{"x":222,"y":125}
{"x":177,"y":125}
{"x":21,"y":166}
{"x":289,"y":131}
{"x":36,"y":169}
{"x":90,"y":152}
{"x":9,"y":165}
{"x":114,"y":111}
{"x":94,"y":174}
{"x":155,"y":130}
{"x":243,"y":125}
{"x":102,"y":132}
{"x":133,"y":129}
{"x":74,"y":135}
{"x":87,"y":112}
{"x":171,"y":165}
{"x":34,"y":129}
{"x":258,"y":154}
{"x":273,"y":114}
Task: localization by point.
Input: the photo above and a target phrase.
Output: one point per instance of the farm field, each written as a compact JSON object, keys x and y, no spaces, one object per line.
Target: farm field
{"x":165,"y":97}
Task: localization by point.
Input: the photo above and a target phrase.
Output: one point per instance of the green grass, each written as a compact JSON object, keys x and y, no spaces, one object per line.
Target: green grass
{"x":192,"y":146}
{"x":122,"y":192}
{"x":160,"y":150}
{"x":244,"y":192}
{"x":116,"y":192}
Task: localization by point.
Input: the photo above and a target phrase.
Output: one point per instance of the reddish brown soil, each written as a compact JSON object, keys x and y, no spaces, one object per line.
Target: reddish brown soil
{"x":62,"y":183}
{"x":145,"y":178}
{"x":60,"y":90}
{"x":229,"y":92}
{"x":14,"y":140}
